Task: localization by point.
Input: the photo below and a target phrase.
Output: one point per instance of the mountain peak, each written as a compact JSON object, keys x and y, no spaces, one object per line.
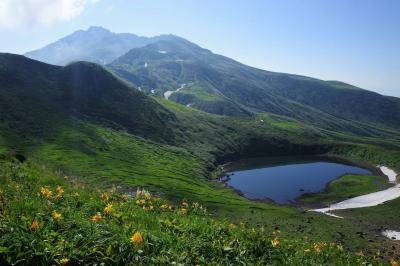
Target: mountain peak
{"x":96,"y":44}
{"x":98,"y":29}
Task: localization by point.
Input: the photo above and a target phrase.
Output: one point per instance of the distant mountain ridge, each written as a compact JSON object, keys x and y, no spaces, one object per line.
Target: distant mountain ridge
{"x":96,"y":44}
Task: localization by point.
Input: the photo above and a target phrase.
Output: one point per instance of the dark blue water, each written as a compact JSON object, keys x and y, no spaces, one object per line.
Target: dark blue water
{"x":284,"y":183}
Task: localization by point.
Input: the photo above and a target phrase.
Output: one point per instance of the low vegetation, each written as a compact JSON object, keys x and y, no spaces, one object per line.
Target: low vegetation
{"x":48,"y":219}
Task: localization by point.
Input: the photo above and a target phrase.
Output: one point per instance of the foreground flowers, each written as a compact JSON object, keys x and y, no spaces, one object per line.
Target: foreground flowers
{"x":35,"y":225}
{"x":64,"y":261}
{"x":275,"y":242}
{"x":319,"y":246}
{"x":97,"y":218}
{"x":46,"y":192}
{"x":105,"y":197}
{"x":108,"y":209}
{"x":60,"y":191}
{"x":35,"y":229}
{"x":56,"y":216}
{"x":140,"y":202}
{"x":137,"y":238}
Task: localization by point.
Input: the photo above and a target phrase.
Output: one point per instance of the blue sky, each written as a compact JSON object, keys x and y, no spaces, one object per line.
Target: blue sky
{"x":356,"y":41}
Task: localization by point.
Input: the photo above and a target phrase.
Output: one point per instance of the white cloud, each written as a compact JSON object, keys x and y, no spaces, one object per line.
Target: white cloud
{"x":15,"y":13}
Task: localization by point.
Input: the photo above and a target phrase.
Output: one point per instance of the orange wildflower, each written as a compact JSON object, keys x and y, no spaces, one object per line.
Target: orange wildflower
{"x":60,"y":191}
{"x":137,"y":238}
{"x":108,"y":208}
{"x":275,"y":242}
{"x":97,"y":218}
{"x":46,"y":192}
{"x":34,"y":225}
{"x":56,"y":216}
{"x":104,"y":196}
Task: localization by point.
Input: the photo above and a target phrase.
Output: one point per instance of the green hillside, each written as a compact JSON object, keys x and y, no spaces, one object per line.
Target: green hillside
{"x":50,"y":94}
{"x":83,"y":122}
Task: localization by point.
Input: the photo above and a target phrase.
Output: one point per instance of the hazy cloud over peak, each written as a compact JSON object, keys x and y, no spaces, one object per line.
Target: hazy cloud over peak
{"x":15,"y":13}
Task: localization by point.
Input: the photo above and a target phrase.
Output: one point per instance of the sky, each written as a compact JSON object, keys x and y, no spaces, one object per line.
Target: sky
{"x":355,"y":41}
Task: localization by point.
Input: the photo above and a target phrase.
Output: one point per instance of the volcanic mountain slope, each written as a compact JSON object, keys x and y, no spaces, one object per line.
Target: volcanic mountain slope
{"x":174,"y":68}
{"x":191,"y":75}
{"x":96,"y":44}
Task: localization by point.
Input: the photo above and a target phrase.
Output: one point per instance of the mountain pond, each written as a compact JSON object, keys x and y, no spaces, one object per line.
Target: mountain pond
{"x":282,"y":180}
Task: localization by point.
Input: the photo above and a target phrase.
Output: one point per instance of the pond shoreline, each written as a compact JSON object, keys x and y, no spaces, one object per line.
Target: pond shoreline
{"x":282,"y":160}
{"x":262,"y":162}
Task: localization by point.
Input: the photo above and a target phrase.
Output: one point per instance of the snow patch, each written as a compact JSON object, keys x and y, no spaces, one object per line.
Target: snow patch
{"x":168,"y":94}
{"x":393,"y":235}
{"x":162,"y":52}
{"x":392,"y":176}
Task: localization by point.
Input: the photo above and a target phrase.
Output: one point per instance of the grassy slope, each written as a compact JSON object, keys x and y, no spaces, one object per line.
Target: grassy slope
{"x":385,"y":216}
{"x":201,"y":94}
{"x":106,"y":157}
{"x":98,"y":155}
{"x":376,"y":219}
